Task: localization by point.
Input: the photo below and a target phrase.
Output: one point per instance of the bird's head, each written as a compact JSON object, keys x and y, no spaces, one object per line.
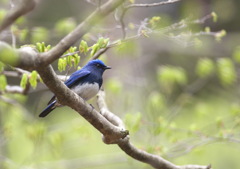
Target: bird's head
{"x":97,"y":65}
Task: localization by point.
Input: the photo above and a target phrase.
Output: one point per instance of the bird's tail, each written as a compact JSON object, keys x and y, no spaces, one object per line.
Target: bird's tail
{"x":48,"y":109}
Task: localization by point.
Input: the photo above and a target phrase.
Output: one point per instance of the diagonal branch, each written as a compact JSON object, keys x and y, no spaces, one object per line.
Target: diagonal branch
{"x":76,"y":34}
{"x":67,"y":97}
{"x":21,"y":8}
{"x":131,"y":150}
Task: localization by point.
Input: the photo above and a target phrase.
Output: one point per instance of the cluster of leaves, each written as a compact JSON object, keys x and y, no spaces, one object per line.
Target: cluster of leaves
{"x":71,"y":60}
{"x":71,"y":57}
{"x":33,"y":78}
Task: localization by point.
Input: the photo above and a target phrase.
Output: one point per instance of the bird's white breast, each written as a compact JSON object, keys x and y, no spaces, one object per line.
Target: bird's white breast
{"x":86,"y":90}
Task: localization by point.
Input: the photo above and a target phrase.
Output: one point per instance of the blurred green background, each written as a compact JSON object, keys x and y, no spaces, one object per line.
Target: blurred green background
{"x":178,"y":93}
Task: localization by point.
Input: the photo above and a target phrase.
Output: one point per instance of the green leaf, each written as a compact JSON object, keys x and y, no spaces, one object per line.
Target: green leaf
{"x":207,"y":29}
{"x":83,"y":47}
{"x":33,"y":79}
{"x":3,"y":82}
{"x":24,"y":80}
{"x":102,"y":42}
{"x":226,"y":71}
{"x":62,"y":64}
{"x":76,"y":60}
{"x":205,"y":67}
{"x":40,"y":46}
{"x":215,"y":17}
{"x":154,"y":21}
{"x":220,"y":35}
{"x":72,"y":49}
{"x":48,"y":47}
{"x":69,"y":60}
{"x":236,"y":54}
{"x":95,"y":48}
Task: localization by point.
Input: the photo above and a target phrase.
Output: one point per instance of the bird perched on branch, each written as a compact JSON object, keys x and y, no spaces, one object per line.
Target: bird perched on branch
{"x":86,"y":82}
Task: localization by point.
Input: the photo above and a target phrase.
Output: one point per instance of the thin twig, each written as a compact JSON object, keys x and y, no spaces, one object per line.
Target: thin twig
{"x":151,"y":4}
{"x":21,"y":9}
{"x":126,"y":8}
{"x":69,"y":54}
{"x":176,"y":26}
{"x":53,"y":54}
{"x":131,"y":150}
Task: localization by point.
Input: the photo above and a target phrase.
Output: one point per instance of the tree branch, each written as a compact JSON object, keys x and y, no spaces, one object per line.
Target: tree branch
{"x":67,"y":97}
{"x":126,"y":8}
{"x":76,"y":34}
{"x":151,"y":4}
{"x":20,"y":9}
{"x":131,"y":150}
{"x":107,"y":123}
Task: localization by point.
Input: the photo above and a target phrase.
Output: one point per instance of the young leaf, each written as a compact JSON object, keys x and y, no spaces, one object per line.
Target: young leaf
{"x":95,"y":48}
{"x":69,"y":60}
{"x":83,"y":47}
{"x":220,"y":35}
{"x":76,"y":60}
{"x":215,"y":17}
{"x":33,"y":79}
{"x":100,"y":42}
{"x":24,"y":80}
{"x":154,"y":21}
{"x":60,"y":65}
{"x":207,"y":29}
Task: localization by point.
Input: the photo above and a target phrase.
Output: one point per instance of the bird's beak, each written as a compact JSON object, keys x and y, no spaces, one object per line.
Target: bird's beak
{"x":108,"y":67}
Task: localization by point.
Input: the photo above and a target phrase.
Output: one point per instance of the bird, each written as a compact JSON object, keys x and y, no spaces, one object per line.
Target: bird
{"x":86,"y":82}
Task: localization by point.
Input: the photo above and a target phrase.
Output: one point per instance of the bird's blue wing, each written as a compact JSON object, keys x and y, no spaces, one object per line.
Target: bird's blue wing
{"x":76,"y":77}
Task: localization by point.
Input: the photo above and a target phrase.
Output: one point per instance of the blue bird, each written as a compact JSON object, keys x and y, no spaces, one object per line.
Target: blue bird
{"x":86,"y":82}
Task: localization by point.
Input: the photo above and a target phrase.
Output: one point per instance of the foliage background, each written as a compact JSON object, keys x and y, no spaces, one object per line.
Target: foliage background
{"x":178,"y":95}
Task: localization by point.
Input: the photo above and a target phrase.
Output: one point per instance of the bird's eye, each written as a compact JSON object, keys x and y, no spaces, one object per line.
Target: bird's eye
{"x":98,"y":65}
